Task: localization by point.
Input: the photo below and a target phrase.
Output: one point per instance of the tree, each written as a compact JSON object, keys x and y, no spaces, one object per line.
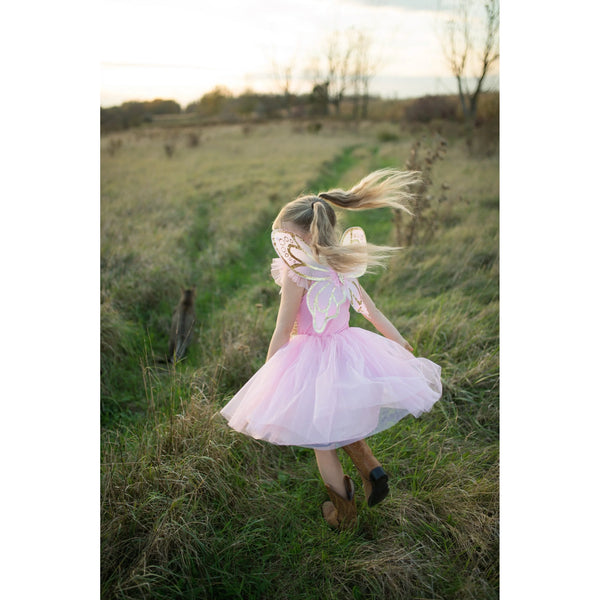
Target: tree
{"x":319,"y":99}
{"x":339,"y":55}
{"x":282,"y":74}
{"x":348,"y":64}
{"x":212,"y":103}
{"x":163,"y":107}
{"x":471,"y":47}
{"x":363,"y":69}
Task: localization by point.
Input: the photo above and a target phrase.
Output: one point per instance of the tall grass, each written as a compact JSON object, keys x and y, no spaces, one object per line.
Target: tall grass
{"x":198,"y":218}
{"x":191,"y":509}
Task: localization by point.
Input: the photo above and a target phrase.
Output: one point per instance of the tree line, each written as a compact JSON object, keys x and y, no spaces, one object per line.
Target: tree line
{"x":220,"y":104}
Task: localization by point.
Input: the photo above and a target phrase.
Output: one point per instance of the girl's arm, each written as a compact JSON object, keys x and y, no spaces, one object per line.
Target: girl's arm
{"x":291,"y":296}
{"x":382,"y":323}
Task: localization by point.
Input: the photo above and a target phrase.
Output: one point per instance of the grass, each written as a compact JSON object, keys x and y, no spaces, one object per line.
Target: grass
{"x":191,"y":509}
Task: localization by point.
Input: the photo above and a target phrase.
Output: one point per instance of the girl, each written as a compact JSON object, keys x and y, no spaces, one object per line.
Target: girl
{"x":330,"y":386}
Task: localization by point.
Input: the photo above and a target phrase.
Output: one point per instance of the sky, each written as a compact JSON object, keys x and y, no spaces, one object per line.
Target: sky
{"x":181,"y":49}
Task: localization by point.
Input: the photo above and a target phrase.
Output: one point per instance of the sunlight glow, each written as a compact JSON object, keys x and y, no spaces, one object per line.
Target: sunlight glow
{"x":183,"y":48}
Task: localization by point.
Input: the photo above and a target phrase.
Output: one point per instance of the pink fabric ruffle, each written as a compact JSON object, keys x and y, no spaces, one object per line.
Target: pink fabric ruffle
{"x":326,"y":391}
{"x":279,"y":269}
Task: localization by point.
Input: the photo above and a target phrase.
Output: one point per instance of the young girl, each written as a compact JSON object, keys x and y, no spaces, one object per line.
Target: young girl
{"x":328,"y":385}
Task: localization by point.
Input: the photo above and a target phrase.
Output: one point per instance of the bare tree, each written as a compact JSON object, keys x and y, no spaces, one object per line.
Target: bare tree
{"x":319,"y":96}
{"x":282,"y":74}
{"x":339,"y":54}
{"x":363,"y":69}
{"x":349,"y":65}
{"x":471,"y":47}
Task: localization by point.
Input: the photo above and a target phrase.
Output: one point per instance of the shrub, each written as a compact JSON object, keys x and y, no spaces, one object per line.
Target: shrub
{"x":488,"y":110}
{"x":193,"y":139}
{"x":212,"y":103}
{"x":387,"y":136}
{"x":133,"y":114}
{"x":114,"y":145}
{"x":423,"y":219}
{"x":163,"y":107}
{"x":112,"y":119}
{"x":427,"y":108}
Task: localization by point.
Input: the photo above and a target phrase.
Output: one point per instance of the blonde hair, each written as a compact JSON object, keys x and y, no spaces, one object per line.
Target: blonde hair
{"x":315,"y":215}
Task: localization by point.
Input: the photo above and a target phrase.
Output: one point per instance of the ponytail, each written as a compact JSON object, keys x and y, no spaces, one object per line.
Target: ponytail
{"x":322,"y":227}
{"x":386,"y":187}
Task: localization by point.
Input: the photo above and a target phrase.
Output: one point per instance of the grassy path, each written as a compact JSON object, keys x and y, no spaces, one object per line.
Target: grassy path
{"x":190,"y":509}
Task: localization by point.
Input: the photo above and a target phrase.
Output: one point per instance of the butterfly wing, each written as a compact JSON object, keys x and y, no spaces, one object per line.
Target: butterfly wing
{"x":356,"y":236}
{"x":297,"y":255}
{"x":355,"y":295}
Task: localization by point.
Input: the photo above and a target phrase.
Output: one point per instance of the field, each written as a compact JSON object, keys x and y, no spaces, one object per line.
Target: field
{"x":191,"y":509}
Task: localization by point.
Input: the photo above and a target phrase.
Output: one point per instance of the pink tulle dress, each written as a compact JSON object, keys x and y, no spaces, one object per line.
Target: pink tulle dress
{"x":331,"y":384}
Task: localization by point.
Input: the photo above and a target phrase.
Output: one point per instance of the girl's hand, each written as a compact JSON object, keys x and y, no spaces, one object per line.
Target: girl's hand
{"x":406,"y":345}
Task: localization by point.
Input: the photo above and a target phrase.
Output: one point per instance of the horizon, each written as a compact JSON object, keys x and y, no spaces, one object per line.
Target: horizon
{"x":182,"y":50}
{"x":406,"y":89}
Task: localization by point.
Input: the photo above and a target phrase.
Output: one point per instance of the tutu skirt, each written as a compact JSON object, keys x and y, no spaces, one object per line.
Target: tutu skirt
{"x":326,"y":391}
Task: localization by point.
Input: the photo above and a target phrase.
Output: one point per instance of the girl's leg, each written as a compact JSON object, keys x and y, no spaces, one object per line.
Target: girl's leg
{"x":331,"y":470}
{"x":340,"y":510}
{"x":375,"y":479}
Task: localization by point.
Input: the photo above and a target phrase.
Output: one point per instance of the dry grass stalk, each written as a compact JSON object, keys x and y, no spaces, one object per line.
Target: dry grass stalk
{"x":420,"y":222}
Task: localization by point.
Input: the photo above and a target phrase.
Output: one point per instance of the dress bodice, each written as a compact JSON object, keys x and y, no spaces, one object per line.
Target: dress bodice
{"x":337,"y":323}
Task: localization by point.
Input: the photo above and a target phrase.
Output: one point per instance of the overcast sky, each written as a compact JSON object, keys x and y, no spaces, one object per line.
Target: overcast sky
{"x":183,"y":48}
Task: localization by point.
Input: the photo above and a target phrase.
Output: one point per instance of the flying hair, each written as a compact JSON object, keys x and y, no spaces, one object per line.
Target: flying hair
{"x":385,"y":187}
{"x":315,"y":215}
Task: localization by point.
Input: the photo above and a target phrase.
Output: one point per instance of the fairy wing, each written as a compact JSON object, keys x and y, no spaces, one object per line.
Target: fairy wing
{"x":324,"y":299}
{"x":356,"y":300}
{"x":356,"y":235}
{"x":298,"y":256}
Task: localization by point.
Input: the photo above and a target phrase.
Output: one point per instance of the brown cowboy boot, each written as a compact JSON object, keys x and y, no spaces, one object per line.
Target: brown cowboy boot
{"x":373,"y":476}
{"x":340,"y":513}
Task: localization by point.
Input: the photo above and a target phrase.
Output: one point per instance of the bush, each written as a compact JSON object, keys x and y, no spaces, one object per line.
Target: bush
{"x":488,"y":111}
{"x":387,"y":136}
{"x":133,"y":114}
{"x":212,"y":103}
{"x":112,"y":119}
{"x":163,"y":107}
{"x":427,"y":108}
